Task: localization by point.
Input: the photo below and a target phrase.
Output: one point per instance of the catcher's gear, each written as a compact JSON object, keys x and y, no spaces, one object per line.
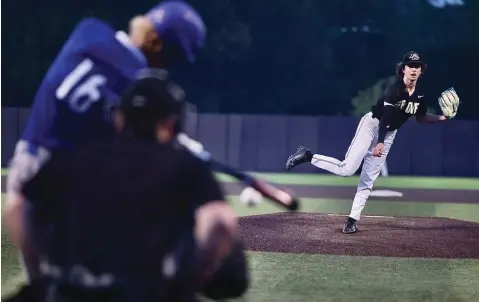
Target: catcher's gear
{"x":449,"y":103}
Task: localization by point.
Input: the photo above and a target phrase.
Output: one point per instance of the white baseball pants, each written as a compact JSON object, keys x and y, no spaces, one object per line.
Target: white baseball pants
{"x":361,"y":147}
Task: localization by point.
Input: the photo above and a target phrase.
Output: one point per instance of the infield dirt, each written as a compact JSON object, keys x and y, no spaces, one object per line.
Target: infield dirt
{"x":377,"y":236}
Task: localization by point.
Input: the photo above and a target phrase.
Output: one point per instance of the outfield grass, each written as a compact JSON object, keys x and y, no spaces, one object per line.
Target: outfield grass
{"x":391,"y":181}
{"x":11,"y":275}
{"x":333,"y":180}
{"x":305,"y":277}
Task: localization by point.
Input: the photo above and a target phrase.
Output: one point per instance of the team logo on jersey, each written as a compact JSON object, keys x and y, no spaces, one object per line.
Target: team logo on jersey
{"x":408,"y":107}
{"x":414,"y":56}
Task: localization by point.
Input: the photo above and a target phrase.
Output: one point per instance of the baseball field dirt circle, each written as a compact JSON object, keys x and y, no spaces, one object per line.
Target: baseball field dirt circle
{"x":377,"y":236}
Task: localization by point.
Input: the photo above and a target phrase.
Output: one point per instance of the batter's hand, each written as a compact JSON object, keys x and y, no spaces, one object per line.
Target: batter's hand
{"x":378,"y":151}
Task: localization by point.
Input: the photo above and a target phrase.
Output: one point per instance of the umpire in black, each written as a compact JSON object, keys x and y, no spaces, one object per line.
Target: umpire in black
{"x":135,"y":218}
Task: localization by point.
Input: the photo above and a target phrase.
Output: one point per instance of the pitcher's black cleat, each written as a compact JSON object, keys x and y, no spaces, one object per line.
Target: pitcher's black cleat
{"x":303,"y":155}
{"x":350,"y":226}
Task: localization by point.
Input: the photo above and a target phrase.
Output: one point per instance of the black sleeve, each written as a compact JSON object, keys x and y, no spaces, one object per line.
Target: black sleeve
{"x":385,"y":122}
{"x":206,"y":187}
{"x":387,"y":114}
{"x":422,"y":110}
{"x":46,"y":184}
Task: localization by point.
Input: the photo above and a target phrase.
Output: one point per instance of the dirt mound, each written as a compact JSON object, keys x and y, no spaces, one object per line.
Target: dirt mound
{"x":377,"y":236}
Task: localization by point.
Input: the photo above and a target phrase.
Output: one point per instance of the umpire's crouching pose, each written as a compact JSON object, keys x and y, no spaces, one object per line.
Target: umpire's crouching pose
{"x":131,"y":219}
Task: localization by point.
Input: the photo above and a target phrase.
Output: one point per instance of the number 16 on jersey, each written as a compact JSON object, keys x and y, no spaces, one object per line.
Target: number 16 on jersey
{"x":81,"y":90}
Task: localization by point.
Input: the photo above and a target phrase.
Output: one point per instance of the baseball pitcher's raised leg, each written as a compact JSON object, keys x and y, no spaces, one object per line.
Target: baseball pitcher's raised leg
{"x":359,"y":146}
{"x":371,"y":168}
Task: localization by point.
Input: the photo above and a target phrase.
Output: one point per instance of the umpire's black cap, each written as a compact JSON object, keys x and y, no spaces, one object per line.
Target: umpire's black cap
{"x":151,"y":98}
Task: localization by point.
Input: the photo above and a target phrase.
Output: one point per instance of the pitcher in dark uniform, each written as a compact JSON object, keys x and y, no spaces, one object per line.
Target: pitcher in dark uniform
{"x":376,"y":132}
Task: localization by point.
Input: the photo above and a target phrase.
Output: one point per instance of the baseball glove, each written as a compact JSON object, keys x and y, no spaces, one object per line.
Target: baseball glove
{"x":449,"y":103}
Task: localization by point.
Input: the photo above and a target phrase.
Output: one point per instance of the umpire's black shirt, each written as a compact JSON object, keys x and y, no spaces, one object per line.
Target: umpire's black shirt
{"x":119,"y":206}
{"x":396,"y":106}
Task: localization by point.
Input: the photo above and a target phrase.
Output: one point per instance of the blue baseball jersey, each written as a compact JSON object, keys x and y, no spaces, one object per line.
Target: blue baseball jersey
{"x":74,"y":102}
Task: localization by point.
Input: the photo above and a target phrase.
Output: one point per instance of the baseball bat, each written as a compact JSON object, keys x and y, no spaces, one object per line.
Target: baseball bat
{"x":269,"y":191}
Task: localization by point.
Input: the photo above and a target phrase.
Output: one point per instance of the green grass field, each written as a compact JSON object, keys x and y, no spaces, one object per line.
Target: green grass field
{"x":306,"y":277}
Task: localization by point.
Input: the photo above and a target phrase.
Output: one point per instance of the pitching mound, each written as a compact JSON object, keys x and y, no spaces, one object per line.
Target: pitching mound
{"x":377,"y":236}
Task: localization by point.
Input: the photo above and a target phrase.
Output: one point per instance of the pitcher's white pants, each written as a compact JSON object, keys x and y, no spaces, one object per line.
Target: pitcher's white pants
{"x":361,"y":148}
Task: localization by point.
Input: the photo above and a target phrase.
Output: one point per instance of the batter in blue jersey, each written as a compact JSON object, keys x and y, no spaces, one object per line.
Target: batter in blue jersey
{"x":96,"y":64}
{"x":73,"y":104}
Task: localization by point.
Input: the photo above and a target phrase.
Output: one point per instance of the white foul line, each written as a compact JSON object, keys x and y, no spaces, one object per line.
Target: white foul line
{"x":371,"y":216}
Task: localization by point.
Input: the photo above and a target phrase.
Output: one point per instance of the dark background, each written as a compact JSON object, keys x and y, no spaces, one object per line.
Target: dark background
{"x":271,"y":56}
{"x":318,"y":58}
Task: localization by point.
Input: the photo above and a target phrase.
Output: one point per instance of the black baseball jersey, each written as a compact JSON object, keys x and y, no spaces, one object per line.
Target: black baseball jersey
{"x":119,"y":206}
{"x":396,"y":106}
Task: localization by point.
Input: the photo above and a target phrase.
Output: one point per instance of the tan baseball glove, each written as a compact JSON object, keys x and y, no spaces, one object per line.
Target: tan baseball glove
{"x":449,"y":103}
